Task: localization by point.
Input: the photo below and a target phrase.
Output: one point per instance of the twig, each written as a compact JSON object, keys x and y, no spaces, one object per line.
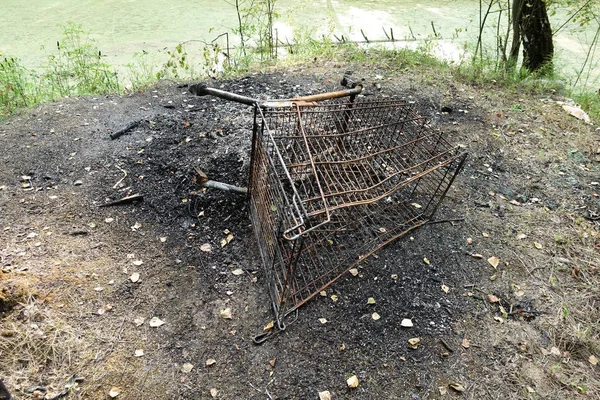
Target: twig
{"x":121,"y":132}
{"x":202,"y":180}
{"x":124,"y":200}
{"x":122,"y":179}
{"x":446,"y":345}
{"x":439,"y":221}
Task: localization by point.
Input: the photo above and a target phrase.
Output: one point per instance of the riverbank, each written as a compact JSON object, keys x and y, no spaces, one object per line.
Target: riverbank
{"x":80,"y":284}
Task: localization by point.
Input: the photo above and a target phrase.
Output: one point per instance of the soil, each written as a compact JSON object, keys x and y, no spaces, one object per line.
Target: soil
{"x":528,"y":195}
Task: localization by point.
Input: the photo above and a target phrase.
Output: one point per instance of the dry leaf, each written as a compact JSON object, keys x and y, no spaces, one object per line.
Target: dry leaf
{"x":457,"y":386}
{"x":593,"y":360}
{"x":353,"y":271}
{"x":323,"y":293}
{"x":226,"y":313}
{"x":375,"y":316}
{"x":323,"y":320}
{"x":98,"y":288}
{"x":499,"y":318}
{"x":521,"y":236}
{"x":269,"y":326}
{"x":394,"y":276}
{"x":445,"y":289}
{"x":134,"y":277}
{"x":137,"y":262}
{"x":272,"y":362}
{"x":334,"y":298}
{"x":163,"y":239}
{"x":537,"y":245}
{"x":415,"y":205}
{"x":206,"y":247}
{"x":494,"y":261}
{"x":109,"y":220}
{"x":136,"y":226}
{"x":139,"y":352}
{"x":155,"y":322}
{"x":370,"y":300}
{"x":382,"y":230}
{"x":237,"y":272}
{"x":465,"y":343}
{"x":325,"y":395}
{"x":352,"y":381}
{"x":406,"y":323}
{"x":469,"y":240}
{"x":476,"y":255}
{"x":342,"y":347}
{"x":493,"y":299}
{"x":139,"y":321}
{"x":214,"y":392}
{"x":210,"y":362}
{"x":223,"y":242}
{"x":114,"y":391}
{"x":485,"y":235}
{"x":426,"y":261}
{"x":186,"y":368}
{"x":413,"y":343}
{"x":442,"y":390}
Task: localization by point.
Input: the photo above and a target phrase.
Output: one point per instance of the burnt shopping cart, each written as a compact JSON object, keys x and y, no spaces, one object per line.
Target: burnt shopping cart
{"x":333,"y":179}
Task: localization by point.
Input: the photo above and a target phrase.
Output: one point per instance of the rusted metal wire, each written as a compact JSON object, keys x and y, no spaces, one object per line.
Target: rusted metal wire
{"x":333,"y":183}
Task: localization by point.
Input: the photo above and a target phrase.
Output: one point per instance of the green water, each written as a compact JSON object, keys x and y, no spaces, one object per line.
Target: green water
{"x":124,"y":27}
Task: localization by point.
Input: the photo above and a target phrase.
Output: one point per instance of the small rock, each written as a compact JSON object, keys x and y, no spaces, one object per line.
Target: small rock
{"x":78,"y":183}
{"x":406,"y":323}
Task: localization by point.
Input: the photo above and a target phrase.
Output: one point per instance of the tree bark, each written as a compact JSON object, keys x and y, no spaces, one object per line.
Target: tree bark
{"x":536,"y":35}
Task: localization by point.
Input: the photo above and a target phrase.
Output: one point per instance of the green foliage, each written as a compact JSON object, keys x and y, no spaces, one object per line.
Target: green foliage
{"x":16,"y":89}
{"x":77,"y":67}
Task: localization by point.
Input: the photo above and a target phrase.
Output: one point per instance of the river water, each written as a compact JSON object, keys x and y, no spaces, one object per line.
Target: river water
{"x":124,"y":27}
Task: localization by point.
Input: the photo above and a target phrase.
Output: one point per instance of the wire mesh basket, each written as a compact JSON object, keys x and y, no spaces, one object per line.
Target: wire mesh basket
{"x":333,"y":182}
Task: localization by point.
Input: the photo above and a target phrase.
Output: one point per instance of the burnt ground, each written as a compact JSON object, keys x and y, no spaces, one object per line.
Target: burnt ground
{"x":68,"y":305}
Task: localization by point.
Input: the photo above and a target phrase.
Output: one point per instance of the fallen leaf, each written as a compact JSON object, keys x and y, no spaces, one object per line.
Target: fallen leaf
{"x":155,"y":322}
{"x":137,"y":262}
{"x":98,"y":288}
{"x":445,"y":289}
{"x":457,"y":386}
{"x":139,"y":352}
{"x":272,"y":362}
{"x":334,"y":298}
{"x":406,"y":323}
{"x":210,"y":362}
{"x":442,"y":390}
{"x":499,"y":318}
{"x":413,"y":343}
{"x":269,"y":326}
{"x":375,"y":316}
{"x":494,"y":261}
{"x":382,"y":230}
{"x":163,"y":239}
{"x":226,"y":313}
{"x":214,"y":392}
{"x":537,"y":245}
{"x":206,"y":247}
{"x":476,"y":255}
{"x":394,"y":276}
{"x":353,"y":271}
{"x":186,"y":368}
{"x":238,"y":272}
{"x":114,"y":391}
{"x":352,"y":381}
{"x":323,"y":293}
{"x":370,"y":300}
{"x":415,"y":205}
{"x":109,"y":220}
{"x":465,"y":343}
{"x":323,"y":320}
{"x":325,"y":395}
{"x":136,"y":226}
{"x":342,"y":347}
{"x":485,"y":235}
{"x":134,"y":277}
{"x":426,"y":261}
{"x":139,"y":321}
{"x":469,"y":240}
{"x":521,"y":236}
{"x":593,"y":360}
{"x":493,"y":299}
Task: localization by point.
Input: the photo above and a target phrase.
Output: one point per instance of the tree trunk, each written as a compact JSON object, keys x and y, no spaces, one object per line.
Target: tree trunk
{"x":517,"y":11}
{"x":536,"y":35}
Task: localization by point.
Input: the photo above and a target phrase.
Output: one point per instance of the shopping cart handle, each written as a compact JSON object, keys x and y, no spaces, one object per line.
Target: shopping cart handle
{"x":200,"y":89}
